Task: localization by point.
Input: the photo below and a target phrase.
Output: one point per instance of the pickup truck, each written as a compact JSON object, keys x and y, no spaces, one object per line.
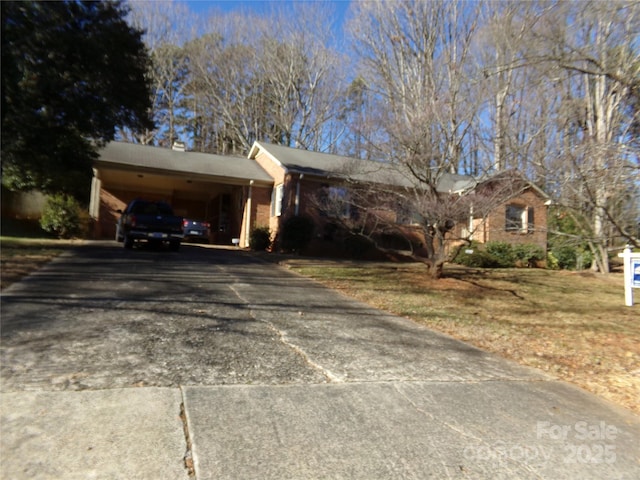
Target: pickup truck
{"x":150,"y":221}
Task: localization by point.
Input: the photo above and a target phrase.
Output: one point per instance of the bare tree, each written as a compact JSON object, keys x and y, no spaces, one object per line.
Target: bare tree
{"x":279,"y":83}
{"x":416,"y":61}
{"x":593,"y":43}
{"x":167,"y":25}
{"x":224,"y":93}
{"x":381,"y":202}
{"x":300,"y":68}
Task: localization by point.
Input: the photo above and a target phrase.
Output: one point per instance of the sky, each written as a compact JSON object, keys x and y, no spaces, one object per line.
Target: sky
{"x":259,"y":6}
{"x":202,"y":6}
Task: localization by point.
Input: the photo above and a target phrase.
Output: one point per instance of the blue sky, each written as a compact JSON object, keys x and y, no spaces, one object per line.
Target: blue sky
{"x":202,"y":6}
{"x":259,"y":6}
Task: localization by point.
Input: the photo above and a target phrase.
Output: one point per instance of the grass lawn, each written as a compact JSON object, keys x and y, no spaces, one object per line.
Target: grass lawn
{"x":572,"y":325}
{"x":21,"y":256}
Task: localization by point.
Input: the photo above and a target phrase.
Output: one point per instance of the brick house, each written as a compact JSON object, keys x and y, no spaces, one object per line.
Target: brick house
{"x":298,"y":174}
{"x":520,"y":220}
{"x":238,"y":194}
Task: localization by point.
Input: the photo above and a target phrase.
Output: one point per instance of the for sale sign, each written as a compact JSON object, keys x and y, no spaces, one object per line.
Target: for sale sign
{"x":635,"y":269}
{"x":631,"y":274}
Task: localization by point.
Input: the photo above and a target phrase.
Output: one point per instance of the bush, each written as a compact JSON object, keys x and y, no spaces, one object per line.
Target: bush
{"x":296,"y":233}
{"x":357,"y":246}
{"x":552,"y":262}
{"x":63,"y":216}
{"x":502,"y":252}
{"x":572,"y":258}
{"x":528,"y":254}
{"x":499,"y":255}
{"x":477,"y":259}
{"x":260,"y":239}
{"x":584,"y":258}
{"x":566,"y":257}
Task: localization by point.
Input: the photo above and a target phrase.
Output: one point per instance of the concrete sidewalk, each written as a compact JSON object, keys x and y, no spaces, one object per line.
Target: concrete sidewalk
{"x":399,"y":430}
{"x":135,"y":365}
{"x":124,"y":433}
{"x":503,"y":430}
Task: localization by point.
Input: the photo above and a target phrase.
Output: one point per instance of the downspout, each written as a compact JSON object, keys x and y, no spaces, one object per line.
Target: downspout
{"x":297,"y":204}
{"x":247,"y":229}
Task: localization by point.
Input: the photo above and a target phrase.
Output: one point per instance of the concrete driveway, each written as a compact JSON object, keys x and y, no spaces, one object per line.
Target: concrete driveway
{"x":152,"y":364}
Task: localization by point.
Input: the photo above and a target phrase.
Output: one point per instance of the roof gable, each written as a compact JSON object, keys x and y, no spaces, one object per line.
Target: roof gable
{"x":517,"y":179}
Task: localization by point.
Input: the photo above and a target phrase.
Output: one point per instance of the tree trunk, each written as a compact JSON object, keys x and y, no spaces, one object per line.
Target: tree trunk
{"x":437,"y":255}
{"x":436,"y":269}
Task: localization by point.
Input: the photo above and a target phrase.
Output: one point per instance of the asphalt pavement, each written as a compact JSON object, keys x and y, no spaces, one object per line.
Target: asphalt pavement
{"x":215,"y":364}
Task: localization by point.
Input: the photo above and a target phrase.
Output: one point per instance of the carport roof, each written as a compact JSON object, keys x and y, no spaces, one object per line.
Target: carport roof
{"x":132,"y":156}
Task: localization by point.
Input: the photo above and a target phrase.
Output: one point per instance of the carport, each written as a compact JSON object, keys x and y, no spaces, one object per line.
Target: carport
{"x":228,"y":192}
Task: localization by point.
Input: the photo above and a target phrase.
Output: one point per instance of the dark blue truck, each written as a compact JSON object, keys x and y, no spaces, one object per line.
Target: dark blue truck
{"x":149,"y":221}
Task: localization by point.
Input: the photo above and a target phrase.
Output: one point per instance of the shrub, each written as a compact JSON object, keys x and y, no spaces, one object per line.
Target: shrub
{"x":584,"y":258}
{"x":528,"y":253}
{"x":502,"y":252}
{"x":572,"y":258}
{"x":357,"y":246}
{"x":477,"y":259}
{"x":63,"y":216}
{"x":566,"y":257}
{"x":260,"y":239}
{"x":552,"y":262}
{"x":296,"y":233}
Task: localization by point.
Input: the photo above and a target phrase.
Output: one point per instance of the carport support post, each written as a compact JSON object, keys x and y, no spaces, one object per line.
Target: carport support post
{"x":297,"y":204}
{"x":247,"y":229}
{"x":94,"y":199}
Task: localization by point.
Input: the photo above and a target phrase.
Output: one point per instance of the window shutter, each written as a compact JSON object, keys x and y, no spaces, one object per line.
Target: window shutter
{"x":530,"y":220}
{"x":278,"y":203}
{"x":273,"y":203}
{"x":276,"y":200}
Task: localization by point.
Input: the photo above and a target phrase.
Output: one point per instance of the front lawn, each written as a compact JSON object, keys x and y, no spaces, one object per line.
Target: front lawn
{"x":20,"y":256}
{"x":572,"y":325}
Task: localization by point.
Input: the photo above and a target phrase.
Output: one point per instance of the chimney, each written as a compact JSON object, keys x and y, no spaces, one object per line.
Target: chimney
{"x":178,"y":146}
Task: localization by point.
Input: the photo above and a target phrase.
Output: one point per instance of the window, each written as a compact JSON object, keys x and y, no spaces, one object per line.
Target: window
{"x":405,"y":215}
{"x":276,"y":200}
{"x":338,"y":202}
{"x":334,"y":202}
{"x":519,"y":219}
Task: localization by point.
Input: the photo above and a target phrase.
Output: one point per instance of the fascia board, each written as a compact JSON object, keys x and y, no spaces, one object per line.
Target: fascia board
{"x":255,"y":150}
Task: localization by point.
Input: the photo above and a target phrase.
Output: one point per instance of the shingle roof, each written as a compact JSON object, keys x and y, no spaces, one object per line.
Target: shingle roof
{"x":130,"y":155}
{"x":336,"y":166}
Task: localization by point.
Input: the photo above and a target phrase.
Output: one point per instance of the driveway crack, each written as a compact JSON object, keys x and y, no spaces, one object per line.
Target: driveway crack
{"x":282,"y":336}
{"x":188,"y":454}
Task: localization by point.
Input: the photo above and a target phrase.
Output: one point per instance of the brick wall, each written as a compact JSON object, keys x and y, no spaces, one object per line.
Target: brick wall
{"x":261,"y":205}
{"x":110,"y":202}
{"x":495,"y":227}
